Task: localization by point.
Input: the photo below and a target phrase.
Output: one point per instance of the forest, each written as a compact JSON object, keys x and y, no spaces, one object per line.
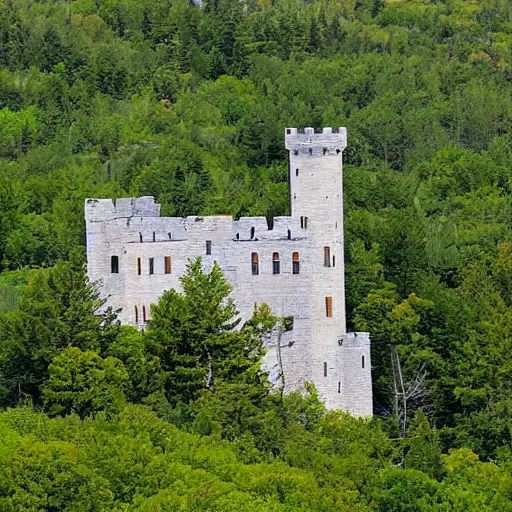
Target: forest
{"x":188,"y":102}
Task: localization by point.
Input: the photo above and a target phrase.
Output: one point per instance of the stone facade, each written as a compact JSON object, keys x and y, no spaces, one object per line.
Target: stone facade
{"x":296,"y":266}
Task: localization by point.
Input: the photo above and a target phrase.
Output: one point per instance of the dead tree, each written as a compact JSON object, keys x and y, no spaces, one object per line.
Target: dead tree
{"x":408,"y":396}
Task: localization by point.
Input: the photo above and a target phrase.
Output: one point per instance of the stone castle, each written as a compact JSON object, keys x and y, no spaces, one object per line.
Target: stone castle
{"x":295,"y":265}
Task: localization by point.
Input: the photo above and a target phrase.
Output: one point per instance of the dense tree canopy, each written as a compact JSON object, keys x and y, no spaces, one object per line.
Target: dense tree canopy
{"x":189,"y":103}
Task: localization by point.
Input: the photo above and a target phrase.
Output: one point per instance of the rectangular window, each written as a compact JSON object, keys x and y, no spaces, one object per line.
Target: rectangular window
{"x":139,"y":268}
{"x":144,"y":317}
{"x":114,"y":264}
{"x":255,"y":264}
{"x":302,"y":222}
{"x":305,"y":223}
{"x":208,"y":246}
{"x":327,"y":256}
{"x":151,"y":266}
{"x":275,"y":263}
{"x":333,"y":260}
{"x":325,"y":369}
{"x":136,"y":315}
{"x":167,"y":261}
{"x":328,"y":307}
{"x":295,"y":263}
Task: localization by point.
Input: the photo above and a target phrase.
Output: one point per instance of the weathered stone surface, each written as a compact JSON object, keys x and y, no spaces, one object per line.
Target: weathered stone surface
{"x":317,"y":349}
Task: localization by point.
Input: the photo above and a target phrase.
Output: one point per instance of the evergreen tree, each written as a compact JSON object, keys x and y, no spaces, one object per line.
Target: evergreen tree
{"x":195,"y":336}
{"x":60,"y":308}
{"x":423,"y":447}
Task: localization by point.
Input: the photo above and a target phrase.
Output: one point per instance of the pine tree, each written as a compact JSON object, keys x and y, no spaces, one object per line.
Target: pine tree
{"x":60,"y":308}
{"x":424,"y":448}
{"x":195,"y":336}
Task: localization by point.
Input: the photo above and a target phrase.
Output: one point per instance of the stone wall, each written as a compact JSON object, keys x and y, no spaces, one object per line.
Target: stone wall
{"x":318,"y":349}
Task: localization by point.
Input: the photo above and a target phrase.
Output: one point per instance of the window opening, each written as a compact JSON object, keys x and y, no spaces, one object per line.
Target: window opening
{"x":328,"y":307}
{"x":325,"y":369}
{"x":238,"y":236}
{"x":305,"y":223}
{"x":288,"y":131}
{"x":310,"y":151}
{"x":327,"y":256}
{"x":296,"y":172}
{"x":208,"y":246}
{"x":302,"y":223}
{"x":339,"y":387}
{"x":140,"y":237}
{"x":144,"y":317}
{"x":170,"y":236}
{"x":139,"y":268}
{"x":154,"y":236}
{"x":288,"y":323}
{"x":151,"y":266}
{"x":136,"y":315}
{"x":333,"y":260}
{"x":296,"y":152}
{"x":295,"y":263}
{"x":362,"y":361}
{"x":253,"y":230}
{"x":167,"y":261}
{"x":325,"y":151}
{"x":289,"y":235}
{"x":114,"y":264}
{"x":255,"y":264}
{"x":338,"y":151}
{"x":275,"y":263}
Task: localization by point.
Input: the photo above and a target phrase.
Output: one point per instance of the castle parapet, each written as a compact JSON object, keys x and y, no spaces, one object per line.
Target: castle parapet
{"x":328,"y":140}
{"x":108,"y":209}
{"x":359,"y":340}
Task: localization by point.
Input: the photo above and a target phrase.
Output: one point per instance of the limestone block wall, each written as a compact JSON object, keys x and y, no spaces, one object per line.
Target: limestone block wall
{"x":317,"y":349}
{"x":317,"y":200}
{"x":355,"y":374}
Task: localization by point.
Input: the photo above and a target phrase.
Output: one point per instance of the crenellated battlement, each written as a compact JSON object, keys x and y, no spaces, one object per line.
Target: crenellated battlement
{"x":108,"y":209}
{"x":310,"y":143}
{"x":294,"y":264}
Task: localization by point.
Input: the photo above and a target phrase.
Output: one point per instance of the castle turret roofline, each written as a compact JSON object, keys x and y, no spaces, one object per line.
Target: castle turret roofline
{"x":327,"y":138}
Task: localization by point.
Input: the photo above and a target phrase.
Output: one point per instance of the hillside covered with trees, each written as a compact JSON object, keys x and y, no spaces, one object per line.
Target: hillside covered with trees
{"x":116,"y":98}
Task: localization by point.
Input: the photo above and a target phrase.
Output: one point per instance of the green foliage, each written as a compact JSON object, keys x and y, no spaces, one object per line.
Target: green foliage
{"x":59,"y":308}
{"x":18,"y":132}
{"x":134,"y":461}
{"x":83,"y":383}
{"x":194,"y":336}
{"x":12,"y":285}
{"x":401,"y":490}
{"x":144,"y":370}
{"x":423,"y":447}
{"x":110,"y":99}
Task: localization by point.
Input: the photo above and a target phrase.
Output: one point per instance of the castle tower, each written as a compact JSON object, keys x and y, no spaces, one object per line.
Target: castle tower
{"x":340,"y":364}
{"x":295,"y":266}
